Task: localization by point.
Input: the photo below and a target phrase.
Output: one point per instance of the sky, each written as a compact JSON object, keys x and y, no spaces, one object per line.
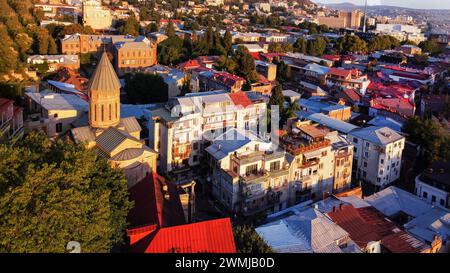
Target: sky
{"x":416,"y":4}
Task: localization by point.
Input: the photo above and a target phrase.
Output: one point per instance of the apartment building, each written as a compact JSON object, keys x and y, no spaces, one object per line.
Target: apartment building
{"x":314,"y":105}
{"x":81,"y":43}
{"x":96,"y":16}
{"x":312,"y":163}
{"x":247,"y":174}
{"x":52,"y":112}
{"x":345,"y":19}
{"x":212,"y":80}
{"x":343,"y":79}
{"x":311,"y":73}
{"x":11,"y":120}
{"x":402,"y":32}
{"x":433,"y":184}
{"x":173,"y":78}
{"x":55,"y":62}
{"x":130,"y":56}
{"x":268,"y":70}
{"x":181,"y":129}
{"x":377,"y":155}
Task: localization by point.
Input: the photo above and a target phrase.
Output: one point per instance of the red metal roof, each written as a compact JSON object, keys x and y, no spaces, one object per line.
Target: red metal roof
{"x":214,"y":236}
{"x":150,"y":206}
{"x":367,"y":224}
{"x":240,"y":98}
{"x":189,"y":65}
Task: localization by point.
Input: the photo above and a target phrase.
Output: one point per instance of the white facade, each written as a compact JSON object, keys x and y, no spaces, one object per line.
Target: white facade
{"x":431,"y":194}
{"x":96,"y":16}
{"x":179,"y":130}
{"x":378,"y":154}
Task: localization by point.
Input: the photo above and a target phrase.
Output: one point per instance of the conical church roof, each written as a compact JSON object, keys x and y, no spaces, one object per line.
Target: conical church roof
{"x":104,"y":77}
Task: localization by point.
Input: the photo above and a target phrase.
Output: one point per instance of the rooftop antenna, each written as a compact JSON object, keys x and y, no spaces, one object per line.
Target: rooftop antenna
{"x":365,"y":16}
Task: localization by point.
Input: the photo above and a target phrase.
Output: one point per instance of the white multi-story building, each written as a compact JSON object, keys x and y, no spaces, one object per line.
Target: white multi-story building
{"x":181,"y":129}
{"x":402,"y":32}
{"x":96,"y":16}
{"x":248,"y":174}
{"x":377,"y":155}
{"x":433,"y":185}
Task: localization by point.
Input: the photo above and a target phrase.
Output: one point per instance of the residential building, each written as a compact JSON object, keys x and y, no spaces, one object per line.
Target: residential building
{"x":248,"y":174}
{"x":134,"y":55}
{"x":212,"y":80}
{"x":433,"y":184}
{"x":377,"y":155}
{"x":305,"y":231}
{"x":96,"y":16}
{"x":82,"y":43}
{"x":343,"y":79}
{"x":402,"y":32}
{"x":55,"y":62}
{"x":409,"y":49}
{"x":268,"y":70}
{"x":181,"y":129}
{"x":374,"y":233}
{"x":112,"y":137}
{"x":311,"y":73}
{"x":345,"y":19}
{"x":418,"y":217}
{"x":312,"y":165}
{"x":53,"y":112}
{"x":173,"y":78}
{"x":11,"y":120}
{"x":322,"y":105}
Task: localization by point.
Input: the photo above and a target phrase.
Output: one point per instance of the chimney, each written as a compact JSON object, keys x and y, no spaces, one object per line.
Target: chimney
{"x":341,"y":205}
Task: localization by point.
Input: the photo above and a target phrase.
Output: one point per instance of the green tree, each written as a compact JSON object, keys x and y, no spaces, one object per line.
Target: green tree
{"x":300,"y":45}
{"x":246,"y":64}
{"x":8,"y":55}
{"x":129,"y":26}
{"x":351,"y":43}
{"x":248,"y":241}
{"x":53,"y":192}
{"x":431,"y":138}
{"x":291,"y":110}
{"x":170,"y":51}
{"x":316,"y":47}
{"x":227,"y":41}
{"x":170,"y":29}
{"x":144,"y":88}
{"x":430,"y":46}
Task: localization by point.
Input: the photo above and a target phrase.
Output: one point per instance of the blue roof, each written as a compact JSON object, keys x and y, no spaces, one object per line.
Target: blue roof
{"x":382,"y":121}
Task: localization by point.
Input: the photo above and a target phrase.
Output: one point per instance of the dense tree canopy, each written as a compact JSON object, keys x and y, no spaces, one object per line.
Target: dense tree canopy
{"x":351,"y":43}
{"x":144,"y":88}
{"x":430,"y":136}
{"x":383,"y":42}
{"x":55,"y":192}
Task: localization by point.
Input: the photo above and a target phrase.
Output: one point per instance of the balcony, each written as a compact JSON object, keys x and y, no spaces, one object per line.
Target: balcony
{"x":256,"y":177}
{"x":243,"y":159}
{"x":309,"y":163}
{"x":296,"y":147}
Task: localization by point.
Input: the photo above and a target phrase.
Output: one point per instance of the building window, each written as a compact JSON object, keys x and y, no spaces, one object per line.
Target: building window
{"x":355,"y":140}
{"x":103,"y":113}
{"x":195,"y":158}
{"x":425,"y":194}
{"x":442,"y":202}
{"x":195,"y":145}
{"x":109,"y":112}
{"x":433,"y":198}
{"x":55,"y":115}
{"x":274,"y":166}
{"x":58,"y":127}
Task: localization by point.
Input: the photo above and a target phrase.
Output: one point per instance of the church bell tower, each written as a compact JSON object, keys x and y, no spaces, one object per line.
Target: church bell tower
{"x":104,"y":96}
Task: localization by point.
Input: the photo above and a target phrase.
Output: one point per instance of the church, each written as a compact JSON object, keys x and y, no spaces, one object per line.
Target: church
{"x":114,"y":138}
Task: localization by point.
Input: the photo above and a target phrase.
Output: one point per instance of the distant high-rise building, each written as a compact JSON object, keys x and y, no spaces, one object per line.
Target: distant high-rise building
{"x":345,"y":19}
